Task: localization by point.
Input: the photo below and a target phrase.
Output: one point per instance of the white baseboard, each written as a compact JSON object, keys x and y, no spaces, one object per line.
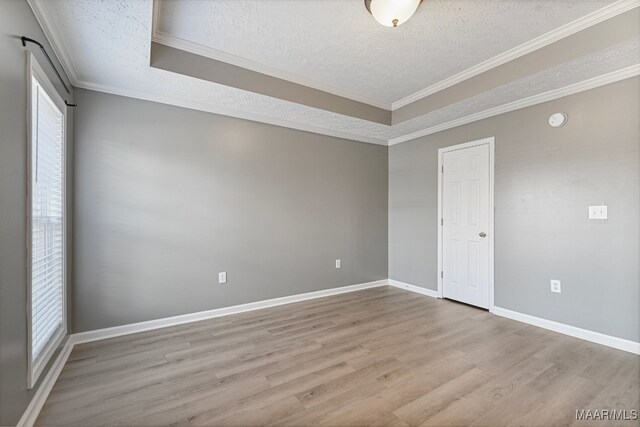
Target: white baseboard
{"x":40,"y":397}
{"x":33,"y":410}
{"x":132,"y":328}
{"x":413,"y":288}
{"x":37,"y":402}
{"x":596,"y":337}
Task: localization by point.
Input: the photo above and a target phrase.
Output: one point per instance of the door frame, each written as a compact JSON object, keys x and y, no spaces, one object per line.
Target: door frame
{"x":490,"y":141}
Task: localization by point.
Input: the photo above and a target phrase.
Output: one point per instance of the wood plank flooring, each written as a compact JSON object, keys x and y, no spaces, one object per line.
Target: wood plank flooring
{"x":382,"y":356}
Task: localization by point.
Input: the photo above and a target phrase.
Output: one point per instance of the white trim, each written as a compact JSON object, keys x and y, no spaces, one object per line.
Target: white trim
{"x":559,"y":33}
{"x":492,"y":212}
{"x":612,"y":77}
{"x":491,"y":143}
{"x":412,"y":288}
{"x":218,"y":55}
{"x":585,"y":334}
{"x":582,"y":23}
{"x":194,"y":105}
{"x":133,"y":328}
{"x":249,"y":64}
{"x":546,"y":39}
{"x":39,"y":398}
{"x":36,"y":367}
{"x":53,"y":37}
{"x":37,"y":402}
{"x":572,"y":89}
{"x":621,"y":6}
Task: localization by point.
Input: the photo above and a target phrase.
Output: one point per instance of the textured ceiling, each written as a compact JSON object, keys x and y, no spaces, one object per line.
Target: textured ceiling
{"x":596,"y":64}
{"x":107,"y":43}
{"x":338,"y":43}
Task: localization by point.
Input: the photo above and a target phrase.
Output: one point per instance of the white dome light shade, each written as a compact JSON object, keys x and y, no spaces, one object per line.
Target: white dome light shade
{"x":392,"y":13}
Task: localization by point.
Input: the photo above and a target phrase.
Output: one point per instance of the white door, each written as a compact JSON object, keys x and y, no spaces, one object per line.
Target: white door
{"x":465,"y":225}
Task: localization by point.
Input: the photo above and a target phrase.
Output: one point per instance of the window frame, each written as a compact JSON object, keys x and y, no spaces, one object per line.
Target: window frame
{"x":36,"y":367}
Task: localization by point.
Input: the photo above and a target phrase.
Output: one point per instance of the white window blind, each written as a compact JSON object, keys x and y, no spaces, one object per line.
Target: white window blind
{"x":47,"y":222}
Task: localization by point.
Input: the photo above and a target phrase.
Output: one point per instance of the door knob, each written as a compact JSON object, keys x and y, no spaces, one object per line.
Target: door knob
{"x":483,"y":234}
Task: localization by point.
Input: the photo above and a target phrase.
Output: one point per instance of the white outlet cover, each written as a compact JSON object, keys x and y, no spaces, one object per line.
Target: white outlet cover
{"x":338,"y":263}
{"x":556,"y":286}
{"x":598,"y":212}
{"x":222,"y":277}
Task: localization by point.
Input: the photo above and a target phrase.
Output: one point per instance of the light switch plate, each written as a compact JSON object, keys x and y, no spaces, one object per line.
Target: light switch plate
{"x":556,"y":286}
{"x":598,"y":212}
{"x":222,"y":277}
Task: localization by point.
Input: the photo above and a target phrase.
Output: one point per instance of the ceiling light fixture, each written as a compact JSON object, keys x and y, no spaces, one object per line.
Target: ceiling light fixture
{"x":392,"y":13}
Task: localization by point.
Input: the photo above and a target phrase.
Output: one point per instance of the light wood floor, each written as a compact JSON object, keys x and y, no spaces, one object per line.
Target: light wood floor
{"x":376,"y":357}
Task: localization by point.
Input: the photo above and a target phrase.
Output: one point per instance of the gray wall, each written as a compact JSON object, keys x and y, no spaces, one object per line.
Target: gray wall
{"x":167,"y":197}
{"x":16,"y":19}
{"x":544,"y":180}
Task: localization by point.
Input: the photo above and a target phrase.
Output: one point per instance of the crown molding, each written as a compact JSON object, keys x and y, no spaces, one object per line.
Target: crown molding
{"x":53,"y":37}
{"x":219,"y":55}
{"x":209,"y":108}
{"x":559,"y":33}
{"x":551,"y":95}
{"x":582,"y":86}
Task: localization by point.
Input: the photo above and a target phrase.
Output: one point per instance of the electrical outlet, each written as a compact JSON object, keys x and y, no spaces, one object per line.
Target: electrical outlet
{"x":555,"y":286}
{"x":338,"y":263}
{"x":222,"y":277}
{"x":598,"y":212}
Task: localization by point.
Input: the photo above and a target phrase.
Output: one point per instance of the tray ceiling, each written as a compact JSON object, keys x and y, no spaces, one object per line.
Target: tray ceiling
{"x":337,"y":44}
{"x":105,"y":46}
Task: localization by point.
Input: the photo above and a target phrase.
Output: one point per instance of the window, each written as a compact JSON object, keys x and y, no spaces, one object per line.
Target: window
{"x":46,"y":222}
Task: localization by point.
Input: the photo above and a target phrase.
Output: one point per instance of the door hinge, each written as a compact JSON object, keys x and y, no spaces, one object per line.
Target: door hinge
{"x":441,"y":221}
{"x":442,"y":274}
{"x":442,"y":168}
